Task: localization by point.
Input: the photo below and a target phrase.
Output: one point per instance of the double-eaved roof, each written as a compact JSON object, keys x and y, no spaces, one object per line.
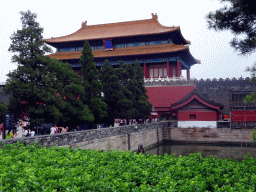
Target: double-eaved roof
{"x":126,"y":51}
{"x":169,"y":47}
{"x":115,"y":30}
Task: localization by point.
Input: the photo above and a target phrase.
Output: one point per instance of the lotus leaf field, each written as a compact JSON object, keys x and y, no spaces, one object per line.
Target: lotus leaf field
{"x":37,"y":168}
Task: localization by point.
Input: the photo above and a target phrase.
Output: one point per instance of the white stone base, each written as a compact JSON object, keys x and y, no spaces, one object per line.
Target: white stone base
{"x":198,"y":124}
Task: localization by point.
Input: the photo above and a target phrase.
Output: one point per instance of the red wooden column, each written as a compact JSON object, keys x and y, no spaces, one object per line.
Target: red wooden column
{"x":168,"y":68}
{"x":188,"y":74}
{"x":178,"y":69}
{"x":145,"y":70}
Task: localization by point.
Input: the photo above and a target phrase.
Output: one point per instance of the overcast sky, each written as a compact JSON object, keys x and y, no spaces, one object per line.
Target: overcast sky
{"x":60,"y":18}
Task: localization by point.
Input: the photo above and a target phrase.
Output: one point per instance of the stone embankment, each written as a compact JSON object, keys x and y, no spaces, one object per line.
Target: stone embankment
{"x":121,"y":138}
{"x":209,"y":135}
{"x":132,"y":136}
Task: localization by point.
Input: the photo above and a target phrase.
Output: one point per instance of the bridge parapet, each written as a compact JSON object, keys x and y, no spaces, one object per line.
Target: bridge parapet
{"x":129,"y":136}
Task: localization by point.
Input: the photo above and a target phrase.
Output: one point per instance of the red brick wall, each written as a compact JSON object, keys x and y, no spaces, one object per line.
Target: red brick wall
{"x":200,"y":116}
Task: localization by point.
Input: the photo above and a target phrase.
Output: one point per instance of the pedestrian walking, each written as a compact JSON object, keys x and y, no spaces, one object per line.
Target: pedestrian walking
{"x":15,"y":134}
{"x":7,"y":136}
{"x":53,"y":129}
{"x":56,"y":129}
{"x":32,"y":133}
{"x":11,"y":134}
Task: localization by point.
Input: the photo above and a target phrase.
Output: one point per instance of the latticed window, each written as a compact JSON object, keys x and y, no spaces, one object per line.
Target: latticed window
{"x":161,"y":72}
{"x":155,"y":73}
{"x":151,"y":73}
{"x":165,"y":72}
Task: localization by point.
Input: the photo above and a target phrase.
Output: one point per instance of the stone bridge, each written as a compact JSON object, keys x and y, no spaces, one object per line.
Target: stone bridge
{"x":121,"y":138}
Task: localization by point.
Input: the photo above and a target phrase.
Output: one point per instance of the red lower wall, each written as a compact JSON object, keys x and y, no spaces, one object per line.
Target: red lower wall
{"x":239,"y":116}
{"x":200,"y":116}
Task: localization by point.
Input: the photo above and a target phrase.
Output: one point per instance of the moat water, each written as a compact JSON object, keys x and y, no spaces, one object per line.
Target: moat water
{"x":220,"y":151}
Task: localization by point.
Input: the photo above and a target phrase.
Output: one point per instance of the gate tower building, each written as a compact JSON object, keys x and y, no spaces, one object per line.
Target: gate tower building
{"x":162,"y":51}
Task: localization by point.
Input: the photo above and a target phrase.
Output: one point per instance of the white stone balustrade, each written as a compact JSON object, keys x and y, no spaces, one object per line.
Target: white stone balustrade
{"x":168,"y":79}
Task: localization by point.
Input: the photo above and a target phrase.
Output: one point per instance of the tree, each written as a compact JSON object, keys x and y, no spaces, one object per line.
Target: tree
{"x":69,"y":88}
{"x":29,"y":48}
{"x":93,"y":87}
{"x":239,"y":16}
{"x":3,"y":111}
{"x":45,"y":89}
{"x":56,"y":97}
{"x":132,"y":79}
{"x":28,"y":42}
{"x":115,"y":95}
{"x":139,"y":91}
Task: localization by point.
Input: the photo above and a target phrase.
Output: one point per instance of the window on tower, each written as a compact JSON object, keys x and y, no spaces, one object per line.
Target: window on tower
{"x":155,"y":73}
{"x":108,"y":44}
{"x":160,"y":72}
{"x":151,"y":73}
{"x":165,"y":72}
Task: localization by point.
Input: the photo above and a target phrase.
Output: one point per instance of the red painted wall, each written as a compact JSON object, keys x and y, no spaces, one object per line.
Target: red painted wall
{"x":239,"y":116}
{"x":200,"y":116}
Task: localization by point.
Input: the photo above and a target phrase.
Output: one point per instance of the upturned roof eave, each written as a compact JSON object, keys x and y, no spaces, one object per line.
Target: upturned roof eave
{"x":147,"y":24}
{"x":109,"y":37}
{"x":202,"y":99}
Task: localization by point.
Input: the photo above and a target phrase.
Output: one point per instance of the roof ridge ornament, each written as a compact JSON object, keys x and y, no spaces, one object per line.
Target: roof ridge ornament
{"x":84,"y":24}
{"x":154,"y":16}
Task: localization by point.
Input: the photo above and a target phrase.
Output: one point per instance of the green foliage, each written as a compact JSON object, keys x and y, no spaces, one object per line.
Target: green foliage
{"x":124,"y":91}
{"x":132,"y":78}
{"x":36,"y":168}
{"x":138,"y":89}
{"x":238,"y":16}
{"x":57,"y":94}
{"x":46,"y":89}
{"x":28,"y":43}
{"x":93,"y":87}
{"x":250,"y":98}
{"x":3,"y":111}
{"x":113,"y":91}
{"x":253,"y":135}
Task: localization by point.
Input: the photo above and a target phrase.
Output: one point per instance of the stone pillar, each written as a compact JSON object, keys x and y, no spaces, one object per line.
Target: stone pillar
{"x":145,"y":70}
{"x":178,"y":69}
{"x":188,"y":74}
{"x":168,"y":68}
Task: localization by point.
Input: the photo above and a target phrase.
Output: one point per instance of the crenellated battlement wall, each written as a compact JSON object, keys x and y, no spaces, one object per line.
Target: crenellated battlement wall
{"x":220,"y":90}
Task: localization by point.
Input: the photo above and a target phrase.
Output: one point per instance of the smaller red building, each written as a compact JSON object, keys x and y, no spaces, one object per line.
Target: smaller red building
{"x":163,"y":97}
{"x":196,"y":110}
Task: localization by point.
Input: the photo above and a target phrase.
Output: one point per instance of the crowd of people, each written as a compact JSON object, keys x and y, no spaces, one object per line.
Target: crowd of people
{"x":23,"y":129}
{"x":121,"y":122}
{"x":54,"y":129}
